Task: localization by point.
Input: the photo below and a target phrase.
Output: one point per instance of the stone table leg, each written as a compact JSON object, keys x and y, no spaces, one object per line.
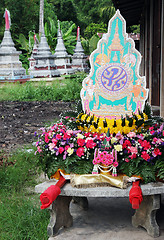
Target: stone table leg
{"x":59,"y":215}
{"x":81,"y":201}
{"x":145,"y":216}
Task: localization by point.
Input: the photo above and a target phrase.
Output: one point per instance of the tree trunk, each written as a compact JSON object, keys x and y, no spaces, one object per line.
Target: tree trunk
{"x":41,"y":17}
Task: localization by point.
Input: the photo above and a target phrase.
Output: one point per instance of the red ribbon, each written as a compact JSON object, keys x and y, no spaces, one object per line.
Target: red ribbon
{"x":51,"y":193}
{"x":135,"y":195}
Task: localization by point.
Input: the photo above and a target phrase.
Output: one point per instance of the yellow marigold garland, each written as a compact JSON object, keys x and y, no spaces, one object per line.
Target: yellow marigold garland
{"x":91,"y":123}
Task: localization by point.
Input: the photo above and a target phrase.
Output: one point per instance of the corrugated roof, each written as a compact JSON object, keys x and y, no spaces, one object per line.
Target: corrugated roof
{"x":131,"y":10}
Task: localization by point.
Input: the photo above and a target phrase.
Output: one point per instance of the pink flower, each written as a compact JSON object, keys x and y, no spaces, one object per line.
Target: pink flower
{"x":39,"y":149}
{"x":69,"y":132}
{"x":159,"y":141}
{"x":105,"y":153}
{"x":133,"y":150}
{"x":66,"y":147}
{"x":81,"y":142}
{"x":131,"y":134}
{"x":95,"y":161}
{"x":104,"y":161}
{"x":110,"y":158}
{"x":119,"y":136}
{"x":90,"y":143}
{"x":115,"y":164}
{"x":127,"y":160}
{"x":101,"y":156}
{"x":61,"y":149}
{"x":80,"y":151}
{"x":54,"y":141}
{"x":145,"y":155}
{"x":51,"y":146}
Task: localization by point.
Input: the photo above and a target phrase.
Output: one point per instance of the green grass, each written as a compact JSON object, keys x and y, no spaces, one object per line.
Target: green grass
{"x":20,"y":215}
{"x":65,"y":90}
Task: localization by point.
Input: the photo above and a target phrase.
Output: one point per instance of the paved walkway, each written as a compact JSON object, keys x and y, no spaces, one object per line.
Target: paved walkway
{"x":107,"y":218}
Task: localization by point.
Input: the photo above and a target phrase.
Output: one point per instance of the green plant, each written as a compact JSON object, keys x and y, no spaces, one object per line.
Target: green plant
{"x":66,"y":90}
{"x":19,"y":173}
{"x":20,"y":216}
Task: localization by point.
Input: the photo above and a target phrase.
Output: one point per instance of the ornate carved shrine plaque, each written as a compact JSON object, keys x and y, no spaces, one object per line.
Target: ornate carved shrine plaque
{"x":114,"y":86}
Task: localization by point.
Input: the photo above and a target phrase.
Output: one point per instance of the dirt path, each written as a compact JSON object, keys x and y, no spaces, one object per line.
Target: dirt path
{"x":20,"y":120}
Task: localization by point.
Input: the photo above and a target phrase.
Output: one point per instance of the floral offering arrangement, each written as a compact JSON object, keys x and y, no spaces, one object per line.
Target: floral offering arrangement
{"x":67,"y":146}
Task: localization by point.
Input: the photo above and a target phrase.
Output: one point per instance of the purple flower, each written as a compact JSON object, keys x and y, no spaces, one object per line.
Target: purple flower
{"x":140,"y":137}
{"x":57,"y":152}
{"x":71,"y":145}
{"x":65,"y":155}
{"x":133,"y":141}
{"x":63,"y":142}
{"x":121,"y":141}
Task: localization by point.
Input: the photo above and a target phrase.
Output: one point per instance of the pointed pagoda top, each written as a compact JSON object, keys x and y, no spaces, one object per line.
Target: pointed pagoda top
{"x":78,"y":49}
{"x":60,"y":50}
{"x":43,"y":48}
{"x":7,"y":45}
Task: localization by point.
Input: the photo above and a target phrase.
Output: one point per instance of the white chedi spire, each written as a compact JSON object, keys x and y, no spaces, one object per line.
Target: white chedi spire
{"x":78,"y":49}
{"x":43,"y":48}
{"x":7,"y":44}
{"x":60,"y":50}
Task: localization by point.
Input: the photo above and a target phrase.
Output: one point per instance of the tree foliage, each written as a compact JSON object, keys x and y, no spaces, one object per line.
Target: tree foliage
{"x":24,"y":16}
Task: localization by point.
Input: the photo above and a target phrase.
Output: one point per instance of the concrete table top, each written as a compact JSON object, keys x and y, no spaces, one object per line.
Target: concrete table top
{"x":68,"y":190}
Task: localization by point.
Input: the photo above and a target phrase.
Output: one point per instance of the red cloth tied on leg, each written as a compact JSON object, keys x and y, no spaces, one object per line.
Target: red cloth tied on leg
{"x":51,"y":193}
{"x":135,"y":195}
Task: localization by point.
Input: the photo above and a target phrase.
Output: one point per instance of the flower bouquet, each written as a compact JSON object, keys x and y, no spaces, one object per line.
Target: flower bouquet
{"x":138,"y":152}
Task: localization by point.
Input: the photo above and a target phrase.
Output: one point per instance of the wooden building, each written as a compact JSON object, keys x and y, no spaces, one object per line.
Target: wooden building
{"x":149,"y":14}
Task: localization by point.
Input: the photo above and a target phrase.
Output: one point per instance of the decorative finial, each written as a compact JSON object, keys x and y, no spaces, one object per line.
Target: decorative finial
{"x":7,"y":19}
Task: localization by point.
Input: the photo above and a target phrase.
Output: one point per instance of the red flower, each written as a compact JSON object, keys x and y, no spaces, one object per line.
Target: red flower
{"x":156,"y":152}
{"x":90,"y":143}
{"x":133,"y":156}
{"x":58,"y":136}
{"x":61,"y":149}
{"x":155,"y":140}
{"x":145,"y":155}
{"x":146,"y":145}
{"x":126,"y":144}
{"x":66,"y":147}
{"x":66,"y":136}
{"x":152,"y":132}
{"x":81,"y":142}
{"x":47,"y":138}
{"x":139,"y":141}
{"x":80,"y":151}
{"x":87,"y":134}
